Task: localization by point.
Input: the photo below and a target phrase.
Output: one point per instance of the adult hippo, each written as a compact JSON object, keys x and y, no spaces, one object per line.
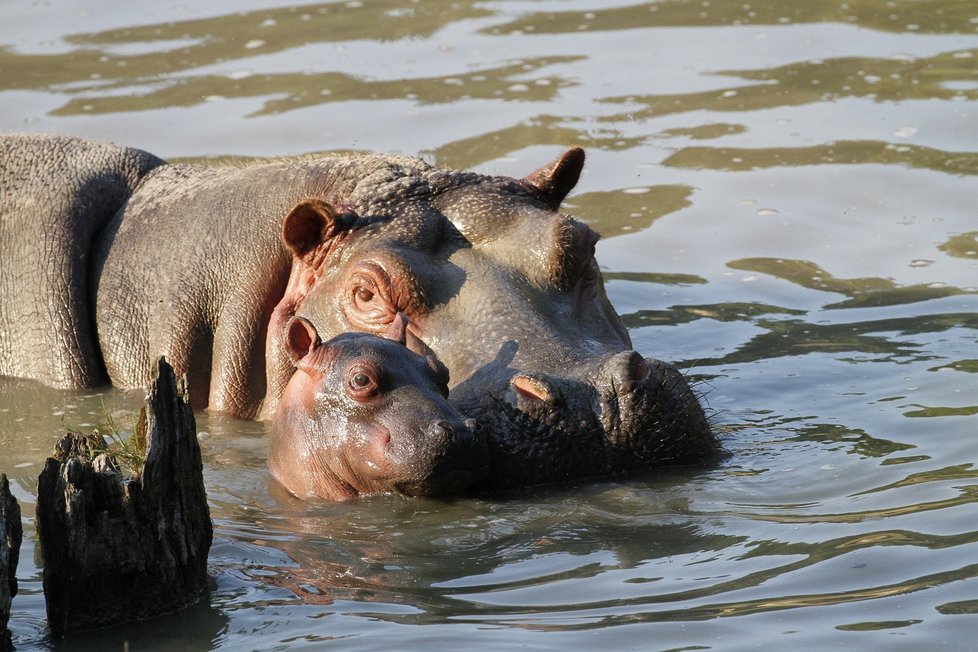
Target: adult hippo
{"x":112,"y":257}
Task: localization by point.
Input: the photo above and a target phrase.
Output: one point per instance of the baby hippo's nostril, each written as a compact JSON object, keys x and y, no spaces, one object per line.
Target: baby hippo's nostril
{"x":441,"y":429}
{"x":471,"y":425}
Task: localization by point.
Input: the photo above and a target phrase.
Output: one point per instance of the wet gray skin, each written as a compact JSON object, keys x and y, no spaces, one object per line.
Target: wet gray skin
{"x":112,"y":257}
{"x":363,"y":414}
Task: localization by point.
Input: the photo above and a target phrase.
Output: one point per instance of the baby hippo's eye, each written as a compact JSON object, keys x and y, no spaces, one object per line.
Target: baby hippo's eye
{"x":361,"y":382}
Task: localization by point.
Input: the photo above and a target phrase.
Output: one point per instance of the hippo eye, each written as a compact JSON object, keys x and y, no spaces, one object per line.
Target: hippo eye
{"x":361,"y":383}
{"x":363,"y":295}
{"x":369,"y":304}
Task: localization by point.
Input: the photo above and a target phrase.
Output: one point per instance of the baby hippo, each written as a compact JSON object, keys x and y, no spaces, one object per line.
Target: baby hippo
{"x":365,"y":414}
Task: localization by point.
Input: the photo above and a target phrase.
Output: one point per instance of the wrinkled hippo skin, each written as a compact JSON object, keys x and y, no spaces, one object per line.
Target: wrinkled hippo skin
{"x":364,"y":414}
{"x":112,"y":257}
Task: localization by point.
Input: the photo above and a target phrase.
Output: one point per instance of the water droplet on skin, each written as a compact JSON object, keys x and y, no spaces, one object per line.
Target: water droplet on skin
{"x":905,"y":132}
{"x":920,"y":262}
{"x":635,"y":191}
{"x":766,"y":211}
{"x":254,"y":43}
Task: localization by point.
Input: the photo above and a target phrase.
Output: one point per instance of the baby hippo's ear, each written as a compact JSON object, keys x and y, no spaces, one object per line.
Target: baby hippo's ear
{"x":441,"y":371}
{"x":301,"y":339}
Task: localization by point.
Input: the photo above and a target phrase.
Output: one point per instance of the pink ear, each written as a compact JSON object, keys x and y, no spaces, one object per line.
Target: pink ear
{"x":301,"y":339}
{"x":556,"y":179}
{"x":397,"y":331}
{"x":309,"y":224}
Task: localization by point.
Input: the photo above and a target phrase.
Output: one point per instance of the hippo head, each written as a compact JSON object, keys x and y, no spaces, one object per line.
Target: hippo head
{"x":506,"y":290}
{"x":363,"y":414}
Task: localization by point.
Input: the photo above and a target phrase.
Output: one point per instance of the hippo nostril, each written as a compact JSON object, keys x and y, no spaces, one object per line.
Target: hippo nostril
{"x":530,"y":388}
{"x":638,"y":368}
{"x":628,"y":366}
{"x":470,"y":424}
{"x":626,"y":371}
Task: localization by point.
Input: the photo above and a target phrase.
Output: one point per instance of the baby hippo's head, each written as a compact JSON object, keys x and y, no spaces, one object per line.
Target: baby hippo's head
{"x":365,"y":414}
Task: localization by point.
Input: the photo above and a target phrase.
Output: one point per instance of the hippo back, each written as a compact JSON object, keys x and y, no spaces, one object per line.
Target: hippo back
{"x":56,"y":194}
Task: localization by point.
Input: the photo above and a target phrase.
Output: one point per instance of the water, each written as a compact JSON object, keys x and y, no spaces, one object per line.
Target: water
{"x":787,"y":192}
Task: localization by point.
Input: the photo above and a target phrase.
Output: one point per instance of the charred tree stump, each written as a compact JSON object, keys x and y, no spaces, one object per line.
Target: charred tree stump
{"x":11,"y":533}
{"x":115,"y":548}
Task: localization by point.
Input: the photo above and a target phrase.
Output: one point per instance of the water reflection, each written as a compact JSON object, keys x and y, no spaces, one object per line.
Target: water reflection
{"x":826,"y":80}
{"x":538,"y":130}
{"x":513,"y":82}
{"x":629,"y":210}
{"x":458,"y":559}
{"x":867,"y":292}
{"x":940,"y":17}
{"x":963,"y":245}
{"x":736,"y":159}
{"x":223,"y":39}
{"x":857,"y":441}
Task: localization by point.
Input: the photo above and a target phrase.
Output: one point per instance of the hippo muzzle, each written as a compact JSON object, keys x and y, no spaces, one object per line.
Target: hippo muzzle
{"x":618,"y":414}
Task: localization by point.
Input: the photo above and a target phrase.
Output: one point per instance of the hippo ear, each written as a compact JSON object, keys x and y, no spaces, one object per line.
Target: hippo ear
{"x":441,"y":371}
{"x":557,"y":179}
{"x":397,"y":331}
{"x":301,"y":339}
{"x":310,"y":223}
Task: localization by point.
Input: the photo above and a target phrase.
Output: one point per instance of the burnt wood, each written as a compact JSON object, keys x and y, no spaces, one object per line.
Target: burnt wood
{"x":116,"y":548}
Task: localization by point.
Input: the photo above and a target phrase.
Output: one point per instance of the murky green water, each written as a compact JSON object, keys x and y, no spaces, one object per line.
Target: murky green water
{"x":789,"y":197}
